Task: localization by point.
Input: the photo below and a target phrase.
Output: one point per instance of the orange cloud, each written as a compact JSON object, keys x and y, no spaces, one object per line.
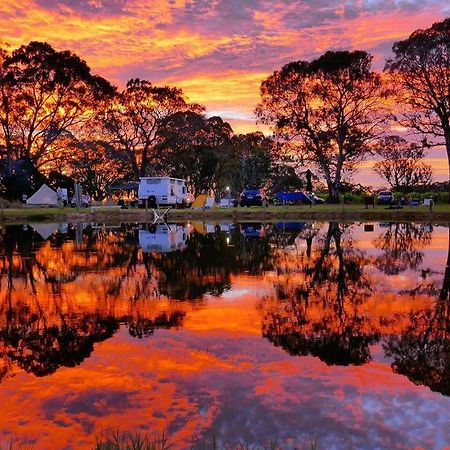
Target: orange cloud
{"x":218,"y":51}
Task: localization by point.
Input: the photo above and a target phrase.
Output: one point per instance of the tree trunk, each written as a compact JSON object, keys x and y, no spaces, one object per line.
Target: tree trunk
{"x":447,"y":148}
{"x":333,"y":194}
{"x":444,"y":294}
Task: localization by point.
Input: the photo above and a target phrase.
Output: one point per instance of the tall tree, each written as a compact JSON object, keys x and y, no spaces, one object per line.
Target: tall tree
{"x":321,"y":313}
{"x":45,"y":95}
{"x":96,"y":165}
{"x":197,"y":148}
{"x":420,"y":69}
{"x":329,"y":109}
{"x":402,"y":166}
{"x":133,"y":120}
{"x":252,"y":160}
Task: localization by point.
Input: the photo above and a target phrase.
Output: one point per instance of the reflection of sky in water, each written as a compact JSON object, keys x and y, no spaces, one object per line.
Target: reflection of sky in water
{"x":213,"y":373}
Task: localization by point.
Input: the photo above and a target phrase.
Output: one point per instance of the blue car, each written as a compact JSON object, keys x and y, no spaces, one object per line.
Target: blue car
{"x":253,"y":197}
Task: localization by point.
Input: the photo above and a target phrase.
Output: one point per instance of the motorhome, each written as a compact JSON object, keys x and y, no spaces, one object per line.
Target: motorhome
{"x":165,"y":191}
{"x":161,"y":238}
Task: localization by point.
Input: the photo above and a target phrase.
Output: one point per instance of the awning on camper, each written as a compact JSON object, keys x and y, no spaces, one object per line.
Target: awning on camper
{"x":132,"y":185}
{"x":200,"y":201}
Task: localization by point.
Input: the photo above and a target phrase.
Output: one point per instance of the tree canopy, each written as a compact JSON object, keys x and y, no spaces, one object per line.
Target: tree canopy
{"x":45,"y":95}
{"x":420,"y":71}
{"x":402,"y":165}
{"x":329,"y":110}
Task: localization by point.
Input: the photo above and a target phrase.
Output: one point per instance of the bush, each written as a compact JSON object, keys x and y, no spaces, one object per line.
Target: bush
{"x":438,"y":197}
{"x":353,"y":197}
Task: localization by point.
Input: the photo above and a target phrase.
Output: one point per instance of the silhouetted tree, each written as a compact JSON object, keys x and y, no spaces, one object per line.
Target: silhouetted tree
{"x":45,"y":95}
{"x":251,"y":161}
{"x":330,"y":110}
{"x":96,"y":165}
{"x":420,"y":71}
{"x":133,"y":119}
{"x":402,"y":166}
{"x":196,"y":148}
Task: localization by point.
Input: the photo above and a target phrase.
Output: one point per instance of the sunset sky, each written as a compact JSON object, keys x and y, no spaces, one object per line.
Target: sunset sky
{"x":218,"y":51}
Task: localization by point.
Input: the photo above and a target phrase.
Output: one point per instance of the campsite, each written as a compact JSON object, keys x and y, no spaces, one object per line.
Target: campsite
{"x":224,"y":225}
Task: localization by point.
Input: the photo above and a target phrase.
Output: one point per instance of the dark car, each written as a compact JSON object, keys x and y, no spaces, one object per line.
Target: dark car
{"x":253,"y":230}
{"x":253,"y":197}
{"x":385,"y":197}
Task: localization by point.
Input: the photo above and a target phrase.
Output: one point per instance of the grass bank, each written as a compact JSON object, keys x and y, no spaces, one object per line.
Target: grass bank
{"x":439,"y":213}
{"x":139,"y":440}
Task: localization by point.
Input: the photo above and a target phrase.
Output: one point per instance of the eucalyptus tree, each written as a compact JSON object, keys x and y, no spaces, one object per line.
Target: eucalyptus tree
{"x":420,"y":70}
{"x":329,"y":110}
{"x":197,"y":148}
{"x":45,"y":96}
{"x":402,"y":165}
{"x":134,"y":118}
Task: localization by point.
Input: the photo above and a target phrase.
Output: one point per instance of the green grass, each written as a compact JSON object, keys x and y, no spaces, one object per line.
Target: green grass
{"x":139,"y":440}
{"x":342,"y":212}
{"x":142,"y":441}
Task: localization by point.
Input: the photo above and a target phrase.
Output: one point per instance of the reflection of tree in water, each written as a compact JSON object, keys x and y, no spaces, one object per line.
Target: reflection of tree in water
{"x":319,"y":313}
{"x":207,"y":263}
{"x":42,"y":324}
{"x":422,"y":351}
{"x":401,"y":245}
{"x":42,"y":350}
{"x":142,"y":326}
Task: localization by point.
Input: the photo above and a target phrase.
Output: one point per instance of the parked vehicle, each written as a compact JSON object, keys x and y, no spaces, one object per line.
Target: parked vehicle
{"x":160,"y":238}
{"x":297,"y":198}
{"x":252,"y":230}
{"x":85,"y":201}
{"x":292,"y":198}
{"x":163,"y":191}
{"x":253,"y":197}
{"x":385,"y":197}
{"x":316,"y":200}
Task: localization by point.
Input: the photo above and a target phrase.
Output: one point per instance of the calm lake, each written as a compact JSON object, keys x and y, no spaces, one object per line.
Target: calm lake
{"x":337,"y":333}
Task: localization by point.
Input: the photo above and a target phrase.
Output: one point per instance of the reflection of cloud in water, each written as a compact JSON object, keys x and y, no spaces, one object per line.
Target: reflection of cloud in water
{"x":211,"y":373}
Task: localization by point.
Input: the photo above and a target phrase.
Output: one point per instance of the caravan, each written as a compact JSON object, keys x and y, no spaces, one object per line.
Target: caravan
{"x":161,"y":238}
{"x":164,"y":191}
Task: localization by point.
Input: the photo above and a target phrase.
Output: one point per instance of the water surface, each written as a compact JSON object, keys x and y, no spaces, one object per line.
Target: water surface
{"x":246,"y":332}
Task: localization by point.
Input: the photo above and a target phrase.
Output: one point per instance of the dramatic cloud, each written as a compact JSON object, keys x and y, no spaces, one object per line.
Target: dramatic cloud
{"x":218,"y":50}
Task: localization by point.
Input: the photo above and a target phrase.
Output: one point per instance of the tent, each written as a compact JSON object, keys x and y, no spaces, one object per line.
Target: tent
{"x":203,"y":202}
{"x":44,"y":196}
{"x":45,"y":229}
{"x":226,"y":202}
{"x":199,"y":202}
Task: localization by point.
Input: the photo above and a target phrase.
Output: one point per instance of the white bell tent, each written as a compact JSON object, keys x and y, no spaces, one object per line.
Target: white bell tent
{"x":44,"y":196}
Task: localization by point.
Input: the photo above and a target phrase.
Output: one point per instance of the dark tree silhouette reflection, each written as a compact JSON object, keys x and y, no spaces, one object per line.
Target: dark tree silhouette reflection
{"x":43,"y":325}
{"x":401,"y":245}
{"x":206,"y":264}
{"x":42,"y":350}
{"x":422,"y":351}
{"x":316,"y":311}
{"x":61,"y":293}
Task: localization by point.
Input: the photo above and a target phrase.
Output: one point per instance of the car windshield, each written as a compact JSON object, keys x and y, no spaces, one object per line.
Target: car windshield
{"x":386,"y":193}
{"x":251,"y":191}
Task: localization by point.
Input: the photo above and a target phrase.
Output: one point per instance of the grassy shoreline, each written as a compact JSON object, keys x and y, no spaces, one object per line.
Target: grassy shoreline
{"x":346,"y":213}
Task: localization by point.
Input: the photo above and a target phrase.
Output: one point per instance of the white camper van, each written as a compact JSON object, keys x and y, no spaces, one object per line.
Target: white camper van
{"x":162,"y":239}
{"x":166,"y":191}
